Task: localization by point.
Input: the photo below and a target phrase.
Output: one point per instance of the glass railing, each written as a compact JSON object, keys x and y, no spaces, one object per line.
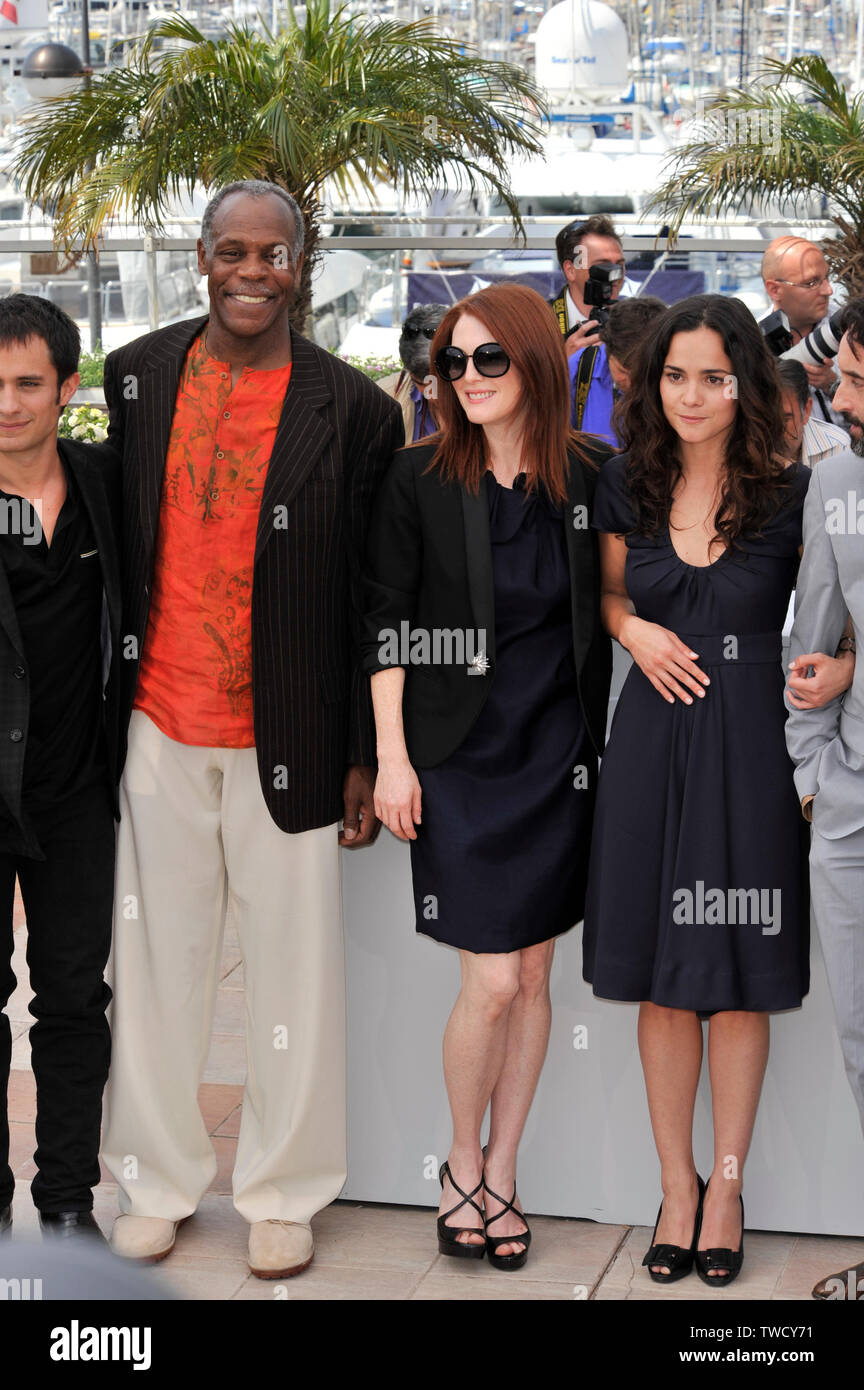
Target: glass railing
{"x":373,"y":268}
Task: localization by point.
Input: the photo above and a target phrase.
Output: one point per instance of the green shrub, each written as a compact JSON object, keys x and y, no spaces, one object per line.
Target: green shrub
{"x":91,"y":367}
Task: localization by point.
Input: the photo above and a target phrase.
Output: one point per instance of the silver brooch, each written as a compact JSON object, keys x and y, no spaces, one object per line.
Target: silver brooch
{"x":479,"y":664}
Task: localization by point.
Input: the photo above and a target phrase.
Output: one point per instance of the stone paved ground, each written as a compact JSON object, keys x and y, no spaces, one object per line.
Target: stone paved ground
{"x":380,"y":1252}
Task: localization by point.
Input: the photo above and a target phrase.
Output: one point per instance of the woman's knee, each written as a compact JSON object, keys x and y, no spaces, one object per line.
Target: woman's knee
{"x":661,"y":1018}
{"x":663,"y":1013}
{"x":534,"y":968}
{"x":492,"y":982}
{"x":739,"y":1021}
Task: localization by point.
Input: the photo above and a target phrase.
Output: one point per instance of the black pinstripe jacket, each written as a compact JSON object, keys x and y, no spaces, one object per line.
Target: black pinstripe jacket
{"x":429,"y":569}
{"x":335,"y":438}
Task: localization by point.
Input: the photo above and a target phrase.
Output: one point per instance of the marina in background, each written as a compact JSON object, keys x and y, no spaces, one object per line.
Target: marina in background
{"x":624,"y":82}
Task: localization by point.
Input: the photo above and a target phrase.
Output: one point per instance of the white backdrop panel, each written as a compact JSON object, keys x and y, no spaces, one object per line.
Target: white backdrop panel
{"x":587,"y":1150}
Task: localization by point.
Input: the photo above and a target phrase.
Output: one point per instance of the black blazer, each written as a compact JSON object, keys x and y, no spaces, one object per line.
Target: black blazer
{"x":429,"y":565}
{"x":336,"y":434}
{"x":96,"y":470}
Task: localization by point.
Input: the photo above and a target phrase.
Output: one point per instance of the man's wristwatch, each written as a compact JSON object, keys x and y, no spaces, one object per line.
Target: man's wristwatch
{"x":846,"y":644}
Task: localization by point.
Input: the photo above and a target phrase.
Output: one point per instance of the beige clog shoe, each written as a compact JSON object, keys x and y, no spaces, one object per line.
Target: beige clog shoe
{"x":147,"y":1239}
{"x":279,"y":1249}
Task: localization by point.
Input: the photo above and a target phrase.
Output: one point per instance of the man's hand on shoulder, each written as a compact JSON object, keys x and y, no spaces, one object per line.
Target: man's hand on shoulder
{"x":361,"y":825}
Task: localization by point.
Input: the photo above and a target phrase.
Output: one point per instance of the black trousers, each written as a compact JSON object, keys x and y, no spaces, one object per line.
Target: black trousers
{"x":68,"y":903}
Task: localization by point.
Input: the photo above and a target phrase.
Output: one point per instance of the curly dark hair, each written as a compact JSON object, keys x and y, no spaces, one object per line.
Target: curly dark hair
{"x":753,"y":489}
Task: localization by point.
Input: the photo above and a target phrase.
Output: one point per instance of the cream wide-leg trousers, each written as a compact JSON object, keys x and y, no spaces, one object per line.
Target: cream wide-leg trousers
{"x":195,"y":842}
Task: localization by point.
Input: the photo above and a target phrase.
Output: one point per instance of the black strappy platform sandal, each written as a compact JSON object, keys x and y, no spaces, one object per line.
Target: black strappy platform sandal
{"x":718,"y":1258}
{"x":678,"y":1259}
{"x":447,"y":1242}
{"x":493,"y":1242}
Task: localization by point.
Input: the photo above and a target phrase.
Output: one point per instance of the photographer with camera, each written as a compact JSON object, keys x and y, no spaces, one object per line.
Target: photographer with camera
{"x":600,"y":374}
{"x":592,"y":261}
{"x":795,"y":274}
{"x":410,"y":388}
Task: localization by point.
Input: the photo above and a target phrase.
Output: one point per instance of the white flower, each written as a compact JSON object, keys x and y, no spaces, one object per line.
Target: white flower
{"x":84,"y":422}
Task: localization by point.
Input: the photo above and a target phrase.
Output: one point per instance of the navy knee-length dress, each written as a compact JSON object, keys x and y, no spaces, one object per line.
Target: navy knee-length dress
{"x":501,"y":857}
{"x":697,"y":895}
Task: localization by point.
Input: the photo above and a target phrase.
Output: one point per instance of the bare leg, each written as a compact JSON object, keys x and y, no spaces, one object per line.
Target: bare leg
{"x":737,"y":1056}
{"x":527,"y":1040}
{"x":475,"y":1042}
{"x":670,"y":1045}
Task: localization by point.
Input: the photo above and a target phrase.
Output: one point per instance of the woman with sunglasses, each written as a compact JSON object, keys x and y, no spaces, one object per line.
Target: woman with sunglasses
{"x":488,"y":742}
{"x":700,"y":525}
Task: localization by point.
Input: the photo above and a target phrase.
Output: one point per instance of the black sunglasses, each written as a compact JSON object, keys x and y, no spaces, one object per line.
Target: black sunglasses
{"x":490,"y":359}
{"x":410,"y":330}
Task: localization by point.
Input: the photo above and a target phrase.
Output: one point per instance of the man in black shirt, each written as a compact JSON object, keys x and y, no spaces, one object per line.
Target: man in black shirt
{"x":60,"y":643}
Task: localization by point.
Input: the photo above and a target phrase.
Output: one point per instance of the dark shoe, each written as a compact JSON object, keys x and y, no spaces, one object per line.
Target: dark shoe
{"x":447,"y":1242}
{"x":677,"y":1258}
{"x":512,"y":1261}
{"x":719,"y":1258}
{"x":69,"y":1225}
{"x":6,"y":1220}
{"x":848,"y":1285}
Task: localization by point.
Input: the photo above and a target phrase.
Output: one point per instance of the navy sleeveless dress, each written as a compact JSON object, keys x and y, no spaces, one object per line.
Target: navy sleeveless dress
{"x":501,"y":856}
{"x":697,"y":894}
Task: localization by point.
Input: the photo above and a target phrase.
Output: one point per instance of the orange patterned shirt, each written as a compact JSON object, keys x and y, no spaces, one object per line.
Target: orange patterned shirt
{"x":195,"y":681}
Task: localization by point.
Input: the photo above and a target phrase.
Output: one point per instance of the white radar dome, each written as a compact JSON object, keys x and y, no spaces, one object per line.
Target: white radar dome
{"x":582,"y":47}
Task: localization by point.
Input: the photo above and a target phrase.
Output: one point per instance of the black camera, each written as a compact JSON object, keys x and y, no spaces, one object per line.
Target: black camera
{"x":776,"y":332}
{"x":603,"y":276}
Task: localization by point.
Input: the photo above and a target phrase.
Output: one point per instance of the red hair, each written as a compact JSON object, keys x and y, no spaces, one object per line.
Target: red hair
{"x":526,"y":328}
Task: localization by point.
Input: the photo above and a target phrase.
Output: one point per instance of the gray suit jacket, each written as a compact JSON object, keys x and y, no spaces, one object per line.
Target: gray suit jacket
{"x":827,"y":745}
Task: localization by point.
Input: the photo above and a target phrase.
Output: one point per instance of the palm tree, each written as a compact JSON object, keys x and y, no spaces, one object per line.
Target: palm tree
{"x":799,"y":137}
{"x":338,"y":97}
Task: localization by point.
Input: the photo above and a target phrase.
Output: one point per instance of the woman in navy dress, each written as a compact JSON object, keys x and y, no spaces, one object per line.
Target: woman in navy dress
{"x":701,"y":535}
{"x":487,"y":763}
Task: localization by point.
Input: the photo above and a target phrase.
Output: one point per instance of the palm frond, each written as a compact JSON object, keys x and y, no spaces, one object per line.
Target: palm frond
{"x":339,"y":98}
{"x":793,"y":135}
